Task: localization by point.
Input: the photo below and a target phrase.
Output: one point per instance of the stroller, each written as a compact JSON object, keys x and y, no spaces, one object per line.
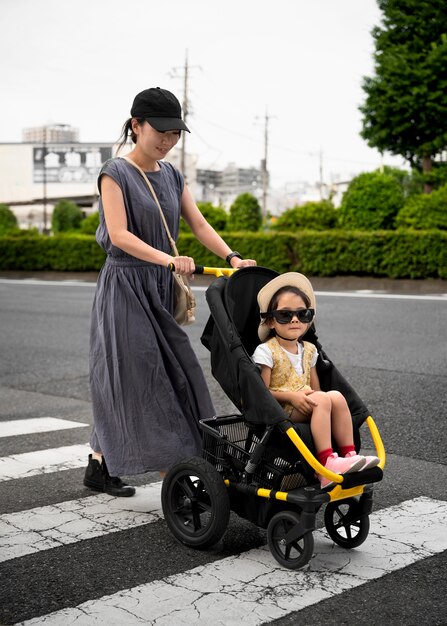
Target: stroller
{"x":257,"y":463}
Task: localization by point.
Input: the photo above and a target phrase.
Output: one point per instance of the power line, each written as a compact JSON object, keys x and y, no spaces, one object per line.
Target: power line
{"x":293,"y":151}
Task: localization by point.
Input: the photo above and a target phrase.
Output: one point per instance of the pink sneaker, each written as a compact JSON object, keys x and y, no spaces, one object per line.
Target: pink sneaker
{"x":340,"y":465}
{"x":370,"y":461}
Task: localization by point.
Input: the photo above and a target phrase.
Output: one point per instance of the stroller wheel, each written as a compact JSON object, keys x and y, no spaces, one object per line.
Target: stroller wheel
{"x":195,"y":503}
{"x":345,"y":524}
{"x":288,"y":551}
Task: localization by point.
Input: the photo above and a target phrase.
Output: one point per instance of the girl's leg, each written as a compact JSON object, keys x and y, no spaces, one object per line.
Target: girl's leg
{"x":342,"y":429}
{"x":320,"y":423}
{"x":322,"y":428}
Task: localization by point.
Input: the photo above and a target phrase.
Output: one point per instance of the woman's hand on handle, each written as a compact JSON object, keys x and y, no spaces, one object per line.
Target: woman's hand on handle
{"x":183,"y":265}
{"x":236,"y":262}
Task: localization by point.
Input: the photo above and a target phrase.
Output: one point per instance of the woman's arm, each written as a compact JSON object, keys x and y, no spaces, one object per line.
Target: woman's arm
{"x":116,"y":221}
{"x":205,"y":233}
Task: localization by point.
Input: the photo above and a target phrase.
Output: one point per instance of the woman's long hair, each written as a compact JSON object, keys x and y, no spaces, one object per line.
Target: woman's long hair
{"x":128,"y":132}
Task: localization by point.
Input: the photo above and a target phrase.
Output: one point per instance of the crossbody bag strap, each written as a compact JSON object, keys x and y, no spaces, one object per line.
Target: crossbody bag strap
{"x":151,"y":189}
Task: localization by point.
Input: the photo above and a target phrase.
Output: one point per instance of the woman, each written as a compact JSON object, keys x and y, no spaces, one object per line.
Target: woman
{"x":148,"y":390}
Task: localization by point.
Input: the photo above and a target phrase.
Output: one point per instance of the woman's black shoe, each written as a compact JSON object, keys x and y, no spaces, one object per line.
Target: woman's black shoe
{"x":97,"y":477}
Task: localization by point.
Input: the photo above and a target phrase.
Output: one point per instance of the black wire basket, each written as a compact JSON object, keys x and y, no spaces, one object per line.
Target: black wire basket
{"x":228,"y":442}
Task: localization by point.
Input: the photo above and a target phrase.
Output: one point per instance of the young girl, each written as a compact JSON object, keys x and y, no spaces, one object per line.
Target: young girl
{"x":148,"y":390}
{"x":287,"y":305}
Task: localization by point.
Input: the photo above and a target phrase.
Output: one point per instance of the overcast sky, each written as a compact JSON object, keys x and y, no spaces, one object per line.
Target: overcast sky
{"x":82,"y":62}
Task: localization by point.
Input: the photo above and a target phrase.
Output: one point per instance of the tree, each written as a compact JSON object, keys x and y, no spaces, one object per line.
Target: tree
{"x":245,"y":213}
{"x":371,"y":202}
{"x":310,"y":215}
{"x":8,"y":221}
{"x":90,"y":224}
{"x":405,"y":111}
{"x":215,"y":215}
{"x":425,"y":211}
{"x":66,"y":216}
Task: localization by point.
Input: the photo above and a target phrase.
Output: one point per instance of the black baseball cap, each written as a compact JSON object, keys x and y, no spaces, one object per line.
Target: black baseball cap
{"x":160,"y":108}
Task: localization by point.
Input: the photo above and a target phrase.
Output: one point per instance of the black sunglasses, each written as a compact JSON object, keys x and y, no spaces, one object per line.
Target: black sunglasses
{"x":285,"y":316}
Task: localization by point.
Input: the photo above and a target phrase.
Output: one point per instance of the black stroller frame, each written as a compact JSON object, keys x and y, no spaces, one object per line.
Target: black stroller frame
{"x":257,"y":463}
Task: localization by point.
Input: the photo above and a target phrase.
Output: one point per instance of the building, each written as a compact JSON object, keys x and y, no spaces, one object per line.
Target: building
{"x":223,"y":187}
{"x":208,"y":183}
{"x":51,"y":164}
{"x":50,"y":133}
{"x":34,"y":177}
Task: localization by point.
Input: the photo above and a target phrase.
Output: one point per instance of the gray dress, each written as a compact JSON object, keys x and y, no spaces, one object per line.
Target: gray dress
{"x":148,"y":389}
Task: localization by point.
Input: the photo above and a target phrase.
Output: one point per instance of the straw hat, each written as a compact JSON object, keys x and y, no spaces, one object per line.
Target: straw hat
{"x":294,"y":279}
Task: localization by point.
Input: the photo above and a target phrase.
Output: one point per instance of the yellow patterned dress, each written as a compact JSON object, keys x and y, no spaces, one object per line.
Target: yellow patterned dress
{"x":284,"y":376}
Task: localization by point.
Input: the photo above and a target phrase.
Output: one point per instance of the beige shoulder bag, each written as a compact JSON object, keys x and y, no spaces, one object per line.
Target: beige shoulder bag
{"x":185,"y":303}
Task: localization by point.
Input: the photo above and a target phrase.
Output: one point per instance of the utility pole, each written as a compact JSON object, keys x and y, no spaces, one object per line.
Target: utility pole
{"x":321,"y":173}
{"x":185,"y":113}
{"x":185,"y":107}
{"x":264,"y":168}
{"x":44,"y":154}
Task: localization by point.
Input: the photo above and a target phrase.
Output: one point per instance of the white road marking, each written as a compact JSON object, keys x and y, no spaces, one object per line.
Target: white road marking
{"x":11,"y":428}
{"x":362,"y":293}
{"x":376,"y":294}
{"x":369,"y":294}
{"x":251,"y":588}
{"x":46,"y":527}
{"x":43,"y":461}
{"x":37,"y":281}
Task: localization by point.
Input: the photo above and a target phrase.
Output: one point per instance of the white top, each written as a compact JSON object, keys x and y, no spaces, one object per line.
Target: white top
{"x":263,"y":356}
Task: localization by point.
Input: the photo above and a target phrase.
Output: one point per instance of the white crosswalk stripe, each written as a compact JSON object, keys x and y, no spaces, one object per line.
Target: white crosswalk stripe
{"x":252,"y":588}
{"x":46,"y":527}
{"x":11,"y":428}
{"x":43,"y":462}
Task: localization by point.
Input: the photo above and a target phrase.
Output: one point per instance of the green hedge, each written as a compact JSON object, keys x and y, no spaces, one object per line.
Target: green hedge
{"x":396,"y":254}
{"x":75,"y":253}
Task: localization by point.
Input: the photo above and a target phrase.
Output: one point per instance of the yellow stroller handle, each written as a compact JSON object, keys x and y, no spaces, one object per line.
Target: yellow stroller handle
{"x":215,"y":271}
{"x":210,"y":271}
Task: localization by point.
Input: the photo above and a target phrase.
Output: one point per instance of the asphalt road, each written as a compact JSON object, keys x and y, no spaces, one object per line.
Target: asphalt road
{"x":393,"y":350}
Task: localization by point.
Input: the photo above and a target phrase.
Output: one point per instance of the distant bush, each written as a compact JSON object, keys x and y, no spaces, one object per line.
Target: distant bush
{"x":214,"y":215}
{"x":66,"y":216}
{"x":90,"y":224}
{"x":425,"y":211}
{"x":8,"y":221}
{"x":371,"y":202}
{"x":311,"y":216}
{"x":245,"y":214}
